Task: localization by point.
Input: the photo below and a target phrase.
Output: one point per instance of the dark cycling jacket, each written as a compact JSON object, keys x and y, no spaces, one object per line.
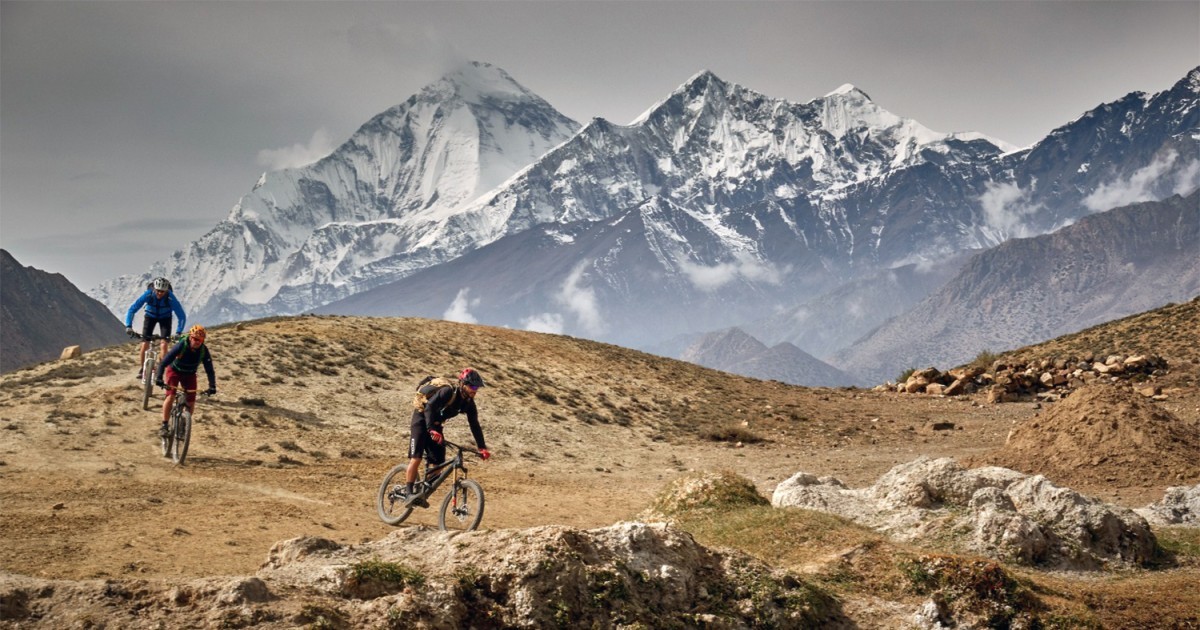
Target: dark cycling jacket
{"x":184,"y":360}
{"x":158,"y":309}
{"x":444,"y":404}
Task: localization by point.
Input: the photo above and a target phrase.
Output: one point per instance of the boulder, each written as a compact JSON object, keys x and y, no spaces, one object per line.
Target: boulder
{"x":70,"y":352}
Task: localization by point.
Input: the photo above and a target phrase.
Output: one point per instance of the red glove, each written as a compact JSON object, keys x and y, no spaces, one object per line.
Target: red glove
{"x":436,"y":435}
{"x":483,"y":452}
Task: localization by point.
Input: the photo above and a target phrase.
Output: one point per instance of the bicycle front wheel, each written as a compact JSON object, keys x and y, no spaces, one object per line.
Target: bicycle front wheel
{"x":147,"y":382}
{"x":182,"y":430}
{"x":388,"y":501}
{"x":462,"y":509}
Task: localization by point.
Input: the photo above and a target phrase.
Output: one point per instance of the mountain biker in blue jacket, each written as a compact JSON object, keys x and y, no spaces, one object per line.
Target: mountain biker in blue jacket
{"x":442,"y":404}
{"x":160,"y":302}
{"x":180,"y":366}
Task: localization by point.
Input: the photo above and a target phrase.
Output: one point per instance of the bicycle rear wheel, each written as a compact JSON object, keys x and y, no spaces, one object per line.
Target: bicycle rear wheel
{"x":462,"y":509}
{"x":181,"y":429}
{"x":147,"y":382}
{"x":388,"y":501}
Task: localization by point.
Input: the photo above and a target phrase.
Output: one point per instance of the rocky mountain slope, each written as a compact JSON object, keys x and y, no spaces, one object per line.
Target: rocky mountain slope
{"x":41,"y":313}
{"x":1106,"y":266}
{"x":313,"y":410}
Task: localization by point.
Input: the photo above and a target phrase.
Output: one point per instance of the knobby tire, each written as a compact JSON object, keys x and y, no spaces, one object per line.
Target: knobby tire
{"x":181,"y":430}
{"x":462,"y":509}
{"x":392,"y":512}
{"x":147,"y":382}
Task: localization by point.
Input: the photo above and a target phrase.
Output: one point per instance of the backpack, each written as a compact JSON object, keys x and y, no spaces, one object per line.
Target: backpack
{"x":426,"y":388}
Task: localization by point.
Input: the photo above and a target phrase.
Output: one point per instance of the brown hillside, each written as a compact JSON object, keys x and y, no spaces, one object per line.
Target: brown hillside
{"x":312,"y":412}
{"x":1104,"y":436}
{"x":1171,"y":332}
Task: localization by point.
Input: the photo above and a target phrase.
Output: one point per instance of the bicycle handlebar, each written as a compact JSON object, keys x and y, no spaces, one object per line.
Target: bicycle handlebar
{"x":137,"y":335}
{"x":461,"y":447}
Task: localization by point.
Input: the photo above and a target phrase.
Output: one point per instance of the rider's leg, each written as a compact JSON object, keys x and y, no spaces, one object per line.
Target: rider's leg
{"x":167,"y":402}
{"x":142,"y":354}
{"x":410,"y":475}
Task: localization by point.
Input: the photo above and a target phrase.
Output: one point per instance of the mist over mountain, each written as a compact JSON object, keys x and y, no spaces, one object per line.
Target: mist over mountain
{"x":719,"y":206}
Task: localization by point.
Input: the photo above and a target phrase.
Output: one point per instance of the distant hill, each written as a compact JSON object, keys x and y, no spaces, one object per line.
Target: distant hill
{"x":41,"y":313}
{"x":733,"y":350}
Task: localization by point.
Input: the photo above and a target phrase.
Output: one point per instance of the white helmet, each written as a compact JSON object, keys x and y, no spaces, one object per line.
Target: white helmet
{"x":161,"y":284}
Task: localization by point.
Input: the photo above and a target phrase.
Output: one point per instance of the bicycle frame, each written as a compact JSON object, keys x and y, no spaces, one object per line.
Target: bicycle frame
{"x":447,"y":468}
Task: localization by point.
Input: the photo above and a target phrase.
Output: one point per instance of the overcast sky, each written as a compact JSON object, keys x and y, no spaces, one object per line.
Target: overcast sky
{"x":129,"y":129}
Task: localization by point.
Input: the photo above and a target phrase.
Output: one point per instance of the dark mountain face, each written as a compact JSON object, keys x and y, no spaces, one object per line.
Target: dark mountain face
{"x":42,"y":313}
{"x":1104,"y":267}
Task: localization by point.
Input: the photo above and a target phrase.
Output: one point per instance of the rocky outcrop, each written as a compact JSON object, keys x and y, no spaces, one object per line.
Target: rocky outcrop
{"x":1049,"y":378}
{"x":993,"y":511}
{"x":1180,"y":505}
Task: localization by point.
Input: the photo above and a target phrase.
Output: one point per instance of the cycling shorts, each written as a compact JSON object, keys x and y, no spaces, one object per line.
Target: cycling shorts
{"x":420,"y":444}
{"x":187,"y":381}
{"x":163,"y":323}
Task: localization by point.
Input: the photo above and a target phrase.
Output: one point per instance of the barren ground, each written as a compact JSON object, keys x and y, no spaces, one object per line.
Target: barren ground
{"x":313,"y":411}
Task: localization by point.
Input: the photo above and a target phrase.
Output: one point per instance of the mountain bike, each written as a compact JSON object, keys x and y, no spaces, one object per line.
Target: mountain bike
{"x":149,"y":365}
{"x":461,"y":509}
{"x":179,"y":427}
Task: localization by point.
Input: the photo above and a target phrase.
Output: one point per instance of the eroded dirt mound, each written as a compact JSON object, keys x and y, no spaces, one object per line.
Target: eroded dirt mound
{"x":703,"y":490}
{"x":627,"y":574}
{"x":1103,"y":435}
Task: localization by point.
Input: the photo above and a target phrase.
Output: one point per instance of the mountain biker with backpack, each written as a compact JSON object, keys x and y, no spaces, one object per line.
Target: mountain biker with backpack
{"x":160,"y":302}
{"x":437,"y":400}
{"x":180,"y":366}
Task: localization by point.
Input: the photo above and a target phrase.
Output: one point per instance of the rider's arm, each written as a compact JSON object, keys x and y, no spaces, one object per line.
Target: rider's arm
{"x":473,"y":421}
{"x":178,"y":309}
{"x":208,"y":369}
{"x":171,"y":355}
{"x":134,"y":307}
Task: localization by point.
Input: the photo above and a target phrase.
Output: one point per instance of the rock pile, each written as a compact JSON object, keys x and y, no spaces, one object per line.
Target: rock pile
{"x":992,"y":511}
{"x":1049,"y":378}
{"x":1180,"y":505}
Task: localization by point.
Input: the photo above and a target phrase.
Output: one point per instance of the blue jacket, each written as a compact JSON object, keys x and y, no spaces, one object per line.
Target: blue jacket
{"x":158,"y":309}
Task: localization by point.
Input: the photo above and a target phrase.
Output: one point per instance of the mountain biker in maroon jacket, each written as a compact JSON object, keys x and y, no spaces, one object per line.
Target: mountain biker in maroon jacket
{"x":442,"y":404}
{"x":180,"y":366}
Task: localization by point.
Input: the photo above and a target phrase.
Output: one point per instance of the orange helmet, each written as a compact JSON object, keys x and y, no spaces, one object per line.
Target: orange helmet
{"x":197,"y":332}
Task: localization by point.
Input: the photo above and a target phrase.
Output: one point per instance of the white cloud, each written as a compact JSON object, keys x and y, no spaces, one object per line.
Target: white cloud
{"x":544,"y":323}
{"x":460,"y":308}
{"x":581,"y":301}
{"x":1005,"y":207}
{"x":1187,"y":178}
{"x":1141,"y":184}
{"x":297,"y":155}
{"x":745,"y":266}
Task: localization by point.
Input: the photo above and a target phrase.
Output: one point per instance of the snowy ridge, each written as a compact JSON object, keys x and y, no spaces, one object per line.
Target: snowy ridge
{"x":739,"y":202}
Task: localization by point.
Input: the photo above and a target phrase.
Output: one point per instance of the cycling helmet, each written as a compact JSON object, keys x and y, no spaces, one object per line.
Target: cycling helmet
{"x":471,"y":378}
{"x":198,"y":332}
{"x":161,"y":284}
